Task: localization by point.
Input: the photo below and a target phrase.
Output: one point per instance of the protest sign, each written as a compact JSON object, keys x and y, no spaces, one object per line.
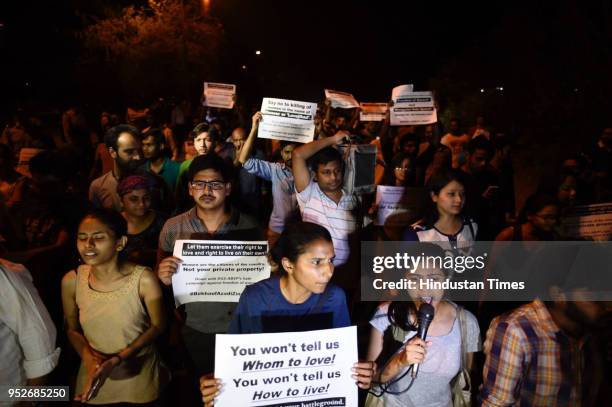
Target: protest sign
{"x":292,"y":369}
{"x":414,"y":108}
{"x":288,"y":120}
{"x":217,"y":270}
{"x":341,"y":100}
{"x":388,"y":202}
{"x":400,"y":92}
{"x":590,"y":222}
{"x":219,"y":95}
{"x":372,"y":112}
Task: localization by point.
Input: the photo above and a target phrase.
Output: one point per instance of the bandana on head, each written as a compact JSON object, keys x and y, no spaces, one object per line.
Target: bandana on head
{"x":131,"y":183}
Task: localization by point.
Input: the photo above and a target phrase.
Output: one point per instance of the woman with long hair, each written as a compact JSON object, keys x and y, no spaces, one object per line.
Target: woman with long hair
{"x":113,"y":312}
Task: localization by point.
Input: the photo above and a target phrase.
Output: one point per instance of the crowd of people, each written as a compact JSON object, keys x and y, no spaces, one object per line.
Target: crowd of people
{"x":123,"y":191}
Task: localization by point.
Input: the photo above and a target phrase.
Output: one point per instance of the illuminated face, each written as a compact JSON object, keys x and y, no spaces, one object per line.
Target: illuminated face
{"x":150,"y":149}
{"x":96,"y":243}
{"x":137,"y":202}
{"x":546,"y":219}
{"x":329,"y":176}
{"x":238,"y":139}
{"x":421,"y":293}
{"x":401,"y":171}
{"x":314,"y":268}
{"x":451,"y":199}
{"x":209,"y":190}
{"x":203,"y":143}
{"x":286,"y":154}
{"x":567,"y":191}
{"x":128,"y":152}
{"x":478,"y":160}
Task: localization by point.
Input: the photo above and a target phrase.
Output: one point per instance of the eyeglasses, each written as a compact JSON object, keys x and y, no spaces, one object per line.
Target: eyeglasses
{"x":402,"y":169}
{"x":214,"y":185}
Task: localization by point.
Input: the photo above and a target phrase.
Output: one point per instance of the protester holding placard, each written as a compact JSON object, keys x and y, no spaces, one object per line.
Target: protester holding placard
{"x":321,"y":198}
{"x":452,"y":331}
{"x":212,"y":218}
{"x":300,"y":299}
{"x":279,"y":174}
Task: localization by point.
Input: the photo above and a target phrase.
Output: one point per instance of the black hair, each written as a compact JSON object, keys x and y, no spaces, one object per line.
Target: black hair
{"x":294,"y":239}
{"x":109,"y":217}
{"x":213,"y":133}
{"x":480,"y":143}
{"x":535,"y":203}
{"x":286,"y":143}
{"x":399,"y":312}
{"x":114,"y":221}
{"x":112,"y":135}
{"x":203,"y":127}
{"x":157,"y":135}
{"x":324,"y":156}
{"x":210,"y":162}
{"x":435,"y":184}
{"x":406,"y":137}
{"x":7,"y":157}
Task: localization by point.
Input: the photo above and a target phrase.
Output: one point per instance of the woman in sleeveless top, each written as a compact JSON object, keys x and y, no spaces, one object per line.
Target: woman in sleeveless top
{"x":439,"y":357}
{"x":113,"y":312}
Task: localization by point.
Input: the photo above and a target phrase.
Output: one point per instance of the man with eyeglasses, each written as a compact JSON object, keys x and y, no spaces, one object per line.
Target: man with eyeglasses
{"x":212,"y":218}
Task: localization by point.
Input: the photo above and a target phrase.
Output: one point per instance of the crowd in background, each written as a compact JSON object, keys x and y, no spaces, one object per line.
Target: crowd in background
{"x":123,"y":188}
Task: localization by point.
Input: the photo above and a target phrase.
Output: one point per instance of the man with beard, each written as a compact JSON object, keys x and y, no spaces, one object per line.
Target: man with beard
{"x":541,"y":354}
{"x":123,"y":143}
{"x":279,"y":174}
{"x":212,"y":218}
{"x":153,"y":146}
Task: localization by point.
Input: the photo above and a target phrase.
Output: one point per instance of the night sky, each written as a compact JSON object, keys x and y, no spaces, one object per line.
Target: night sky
{"x":547,"y":55}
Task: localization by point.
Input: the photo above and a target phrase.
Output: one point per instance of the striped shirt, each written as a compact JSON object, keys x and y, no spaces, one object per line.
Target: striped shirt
{"x":530,"y":361}
{"x":283,"y":195}
{"x":338,"y":219}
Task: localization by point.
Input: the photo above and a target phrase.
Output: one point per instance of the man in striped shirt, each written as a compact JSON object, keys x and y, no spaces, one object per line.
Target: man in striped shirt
{"x":537,"y":355}
{"x":321,"y":198}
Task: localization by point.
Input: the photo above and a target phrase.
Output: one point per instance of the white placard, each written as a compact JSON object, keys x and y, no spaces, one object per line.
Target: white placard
{"x":389,"y":202}
{"x":219,"y":95}
{"x":217,"y":270}
{"x":399,"y":92}
{"x":341,"y":100}
{"x":288,"y":120}
{"x":287,"y":369}
{"x":372,"y":112}
{"x":592,"y":222}
{"x":413,"y":109}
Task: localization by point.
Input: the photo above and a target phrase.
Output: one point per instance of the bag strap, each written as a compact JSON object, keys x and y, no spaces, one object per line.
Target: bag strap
{"x":460,"y":320}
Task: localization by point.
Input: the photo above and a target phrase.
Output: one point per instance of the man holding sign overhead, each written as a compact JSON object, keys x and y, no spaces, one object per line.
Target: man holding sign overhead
{"x":211,"y":219}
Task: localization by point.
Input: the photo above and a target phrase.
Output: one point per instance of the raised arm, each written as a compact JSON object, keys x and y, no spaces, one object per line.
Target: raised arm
{"x":248,"y":144}
{"x":301,"y":173}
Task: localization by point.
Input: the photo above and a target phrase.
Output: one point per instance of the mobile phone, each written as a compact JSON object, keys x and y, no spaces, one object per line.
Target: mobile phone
{"x":93,"y":389}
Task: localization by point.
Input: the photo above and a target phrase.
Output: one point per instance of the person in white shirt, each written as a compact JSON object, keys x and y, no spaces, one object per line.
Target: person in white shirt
{"x":27,"y":333}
